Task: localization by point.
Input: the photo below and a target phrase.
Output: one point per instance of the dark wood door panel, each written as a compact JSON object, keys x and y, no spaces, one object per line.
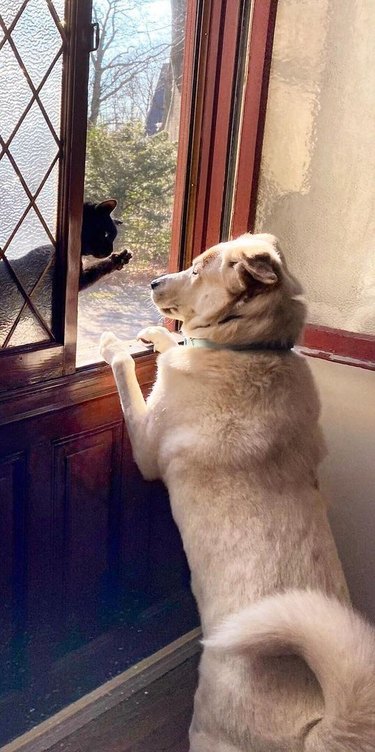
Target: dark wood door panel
{"x":68,"y":421}
{"x":86,"y":498}
{"x":13,"y":565}
{"x":135,"y":527}
{"x":93,"y":576}
{"x":60,"y":501}
{"x":7,"y":512}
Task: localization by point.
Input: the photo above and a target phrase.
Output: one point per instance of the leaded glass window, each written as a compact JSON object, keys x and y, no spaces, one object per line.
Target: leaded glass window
{"x":32,"y":46}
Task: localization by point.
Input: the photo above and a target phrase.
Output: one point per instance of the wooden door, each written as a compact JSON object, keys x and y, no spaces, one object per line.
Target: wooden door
{"x":93,"y":574}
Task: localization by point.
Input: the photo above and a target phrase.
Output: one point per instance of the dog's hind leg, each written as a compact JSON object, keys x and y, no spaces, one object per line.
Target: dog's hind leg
{"x":159,"y":336}
{"x":201,"y":742}
{"x":134,"y":408}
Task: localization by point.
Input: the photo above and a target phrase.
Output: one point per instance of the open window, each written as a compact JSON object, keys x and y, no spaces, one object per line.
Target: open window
{"x":134,"y":108}
{"x":124,"y":68}
{"x":158,"y":85}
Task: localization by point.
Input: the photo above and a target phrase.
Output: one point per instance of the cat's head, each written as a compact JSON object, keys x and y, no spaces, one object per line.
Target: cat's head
{"x":98,"y":228}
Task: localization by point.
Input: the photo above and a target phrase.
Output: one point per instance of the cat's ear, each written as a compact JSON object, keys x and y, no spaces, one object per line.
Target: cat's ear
{"x":109,"y":205}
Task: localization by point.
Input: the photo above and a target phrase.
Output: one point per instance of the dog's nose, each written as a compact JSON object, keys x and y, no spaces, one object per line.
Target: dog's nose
{"x":156,"y":282}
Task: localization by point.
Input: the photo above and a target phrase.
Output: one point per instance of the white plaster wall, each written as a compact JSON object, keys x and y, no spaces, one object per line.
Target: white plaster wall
{"x":316,"y":183}
{"x":348,"y":473}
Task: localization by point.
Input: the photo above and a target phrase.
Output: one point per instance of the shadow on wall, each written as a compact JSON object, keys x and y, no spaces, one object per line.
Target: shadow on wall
{"x":348,"y":473}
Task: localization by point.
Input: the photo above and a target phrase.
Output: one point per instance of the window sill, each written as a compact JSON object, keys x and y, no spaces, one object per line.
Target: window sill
{"x":339,"y":346}
{"x":90,"y":358}
{"x":87,"y":383}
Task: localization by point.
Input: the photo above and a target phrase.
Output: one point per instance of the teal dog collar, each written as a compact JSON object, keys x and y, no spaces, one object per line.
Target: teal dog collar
{"x":250,"y":346}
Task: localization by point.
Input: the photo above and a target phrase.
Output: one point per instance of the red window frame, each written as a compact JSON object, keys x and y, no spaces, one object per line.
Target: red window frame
{"x":342,"y":346}
{"x":205,"y":138}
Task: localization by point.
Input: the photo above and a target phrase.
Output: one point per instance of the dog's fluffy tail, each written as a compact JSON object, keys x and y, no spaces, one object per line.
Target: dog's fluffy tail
{"x":336,"y":643}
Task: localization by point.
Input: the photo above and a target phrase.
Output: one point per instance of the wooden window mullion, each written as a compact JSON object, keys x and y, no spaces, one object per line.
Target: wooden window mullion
{"x":212,"y":118}
{"x":72,"y":168}
{"x":254,"y":104}
{"x":183,"y":186}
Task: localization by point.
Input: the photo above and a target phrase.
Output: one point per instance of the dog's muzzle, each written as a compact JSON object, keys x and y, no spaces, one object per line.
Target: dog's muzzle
{"x":156,"y":282}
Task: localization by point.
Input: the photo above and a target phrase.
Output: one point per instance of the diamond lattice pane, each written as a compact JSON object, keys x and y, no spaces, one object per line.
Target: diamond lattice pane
{"x":11,"y":302}
{"x":15,"y":93}
{"x":47,"y":199}
{"x":29,"y":237}
{"x":28,"y":331}
{"x":30,"y":128}
{"x":50,"y":95}
{"x":37,"y":39}
{"x":33,"y":147}
{"x":9,"y":10}
{"x":29,"y":267}
{"x":42,"y":295}
{"x":59,"y":6}
{"x":13,"y":202}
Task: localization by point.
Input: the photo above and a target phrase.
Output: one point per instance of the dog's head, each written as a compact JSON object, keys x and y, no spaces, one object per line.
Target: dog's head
{"x":237,"y":292}
{"x":99,"y":229}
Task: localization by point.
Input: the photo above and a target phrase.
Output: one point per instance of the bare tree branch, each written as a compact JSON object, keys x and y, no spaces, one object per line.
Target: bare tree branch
{"x":133,"y":47}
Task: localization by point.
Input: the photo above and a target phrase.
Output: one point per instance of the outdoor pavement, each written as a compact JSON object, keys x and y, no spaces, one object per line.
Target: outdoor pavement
{"x":120,"y":303}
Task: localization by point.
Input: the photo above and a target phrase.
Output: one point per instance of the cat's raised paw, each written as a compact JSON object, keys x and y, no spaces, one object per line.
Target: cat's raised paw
{"x":121,"y":258}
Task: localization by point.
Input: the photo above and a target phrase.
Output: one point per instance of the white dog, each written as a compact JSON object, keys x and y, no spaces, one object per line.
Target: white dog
{"x":231,"y":426}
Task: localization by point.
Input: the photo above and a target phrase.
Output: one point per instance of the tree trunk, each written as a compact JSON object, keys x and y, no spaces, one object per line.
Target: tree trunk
{"x":173,"y":100}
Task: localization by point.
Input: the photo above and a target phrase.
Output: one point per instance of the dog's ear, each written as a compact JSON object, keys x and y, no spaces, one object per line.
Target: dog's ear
{"x":260,"y":268}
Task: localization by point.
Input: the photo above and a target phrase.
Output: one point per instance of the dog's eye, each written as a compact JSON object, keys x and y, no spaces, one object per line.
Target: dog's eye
{"x":106,"y":234}
{"x":194,"y":271}
{"x":232,"y":263}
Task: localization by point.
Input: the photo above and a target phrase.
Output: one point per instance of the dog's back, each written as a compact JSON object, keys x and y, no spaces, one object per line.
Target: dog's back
{"x":242,"y":481}
{"x":231,"y":426}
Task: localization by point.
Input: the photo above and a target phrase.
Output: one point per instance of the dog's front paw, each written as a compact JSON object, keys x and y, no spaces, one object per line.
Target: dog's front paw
{"x":113,"y":350}
{"x":158,"y":336}
{"x":120,"y":258}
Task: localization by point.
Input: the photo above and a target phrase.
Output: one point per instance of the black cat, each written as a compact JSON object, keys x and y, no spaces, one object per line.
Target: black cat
{"x":99,"y":231}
